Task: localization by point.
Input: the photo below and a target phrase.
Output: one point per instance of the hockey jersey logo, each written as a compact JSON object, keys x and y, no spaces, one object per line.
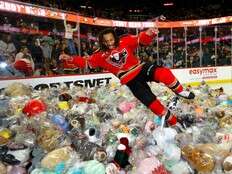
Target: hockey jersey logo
{"x":118,"y":58}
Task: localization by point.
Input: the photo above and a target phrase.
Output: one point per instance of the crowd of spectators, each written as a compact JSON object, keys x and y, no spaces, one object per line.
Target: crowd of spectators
{"x":142,"y":10}
{"x":46,"y":50}
{"x":196,"y":55}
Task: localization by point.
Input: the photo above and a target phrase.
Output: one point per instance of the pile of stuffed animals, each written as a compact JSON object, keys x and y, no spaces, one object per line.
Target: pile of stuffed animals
{"x":105,"y":130}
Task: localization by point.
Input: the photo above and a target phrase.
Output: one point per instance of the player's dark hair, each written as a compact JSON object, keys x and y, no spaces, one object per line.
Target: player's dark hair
{"x":102,"y":46}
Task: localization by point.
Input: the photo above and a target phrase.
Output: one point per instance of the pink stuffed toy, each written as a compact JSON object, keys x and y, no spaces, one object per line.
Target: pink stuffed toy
{"x":151,"y":166}
{"x":125,"y":106}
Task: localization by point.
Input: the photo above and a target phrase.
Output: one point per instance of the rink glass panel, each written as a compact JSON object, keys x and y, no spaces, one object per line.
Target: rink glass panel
{"x":179,"y":38}
{"x":169,"y":49}
{"x":223,"y":45}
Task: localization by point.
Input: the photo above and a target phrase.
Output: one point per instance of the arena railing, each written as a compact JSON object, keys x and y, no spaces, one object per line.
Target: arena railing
{"x":36,"y":10}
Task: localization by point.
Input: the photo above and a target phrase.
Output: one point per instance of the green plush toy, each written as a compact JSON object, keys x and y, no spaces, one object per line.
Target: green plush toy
{"x":93,"y":167}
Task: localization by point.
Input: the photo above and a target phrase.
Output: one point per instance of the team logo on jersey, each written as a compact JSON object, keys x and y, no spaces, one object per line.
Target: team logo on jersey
{"x":118,"y":58}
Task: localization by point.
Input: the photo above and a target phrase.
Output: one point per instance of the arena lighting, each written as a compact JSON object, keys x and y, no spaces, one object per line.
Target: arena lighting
{"x":83,"y":6}
{"x":168,"y":4}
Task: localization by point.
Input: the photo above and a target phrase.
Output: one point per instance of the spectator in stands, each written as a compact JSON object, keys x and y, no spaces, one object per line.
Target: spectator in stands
{"x":94,"y":46}
{"x":11,"y":50}
{"x":206,"y":60}
{"x":3,"y":48}
{"x":24,"y":62}
{"x":56,"y":50}
{"x":37,"y":56}
{"x":167,"y":61}
{"x":23,"y":54}
{"x":69,"y":30}
{"x":46,"y":46}
{"x":67,"y":65}
{"x":85,"y":49}
{"x":24,"y":66}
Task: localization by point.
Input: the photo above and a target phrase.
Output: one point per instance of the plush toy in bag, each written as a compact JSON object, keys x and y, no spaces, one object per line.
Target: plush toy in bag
{"x":60,"y":122}
{"x":17,"y":89}
{"x":53,"y":158}
{"x":151,"y":166}
{"x":121,"y":158}
{"x":3,"y":168}
{"x":86,"y":149}
{"x":227,"y":164}
{"x":94,"y":167}
{"x":16,"y":170}
{"x":198,"y":159}
{"x":34,"y":107}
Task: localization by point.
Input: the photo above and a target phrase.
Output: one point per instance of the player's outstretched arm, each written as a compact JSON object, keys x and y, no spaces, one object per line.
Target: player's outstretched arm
{"x":146,"y":37}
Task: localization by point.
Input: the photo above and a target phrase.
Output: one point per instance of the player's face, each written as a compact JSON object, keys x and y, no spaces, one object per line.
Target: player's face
{"x":109,"y":40}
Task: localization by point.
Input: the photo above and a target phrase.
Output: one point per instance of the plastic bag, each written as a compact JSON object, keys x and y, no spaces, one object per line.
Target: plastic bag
{"x":198,"y":159}
{"x":150,"y":166}
{"x":3,"y":168}
{"x":93,"y":167}
{"x":57,"y":156}
{"x":16,"y":170}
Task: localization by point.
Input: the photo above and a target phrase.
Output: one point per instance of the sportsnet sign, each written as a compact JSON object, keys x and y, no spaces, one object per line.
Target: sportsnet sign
{"x":188,"y":75}
{"x":88,"y":81}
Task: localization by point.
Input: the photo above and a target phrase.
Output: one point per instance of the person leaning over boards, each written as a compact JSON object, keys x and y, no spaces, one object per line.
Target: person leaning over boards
{"x":69,"y":30}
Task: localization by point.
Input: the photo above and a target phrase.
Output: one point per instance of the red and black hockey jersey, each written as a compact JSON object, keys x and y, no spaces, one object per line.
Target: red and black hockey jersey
{"x":120,"y":61}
